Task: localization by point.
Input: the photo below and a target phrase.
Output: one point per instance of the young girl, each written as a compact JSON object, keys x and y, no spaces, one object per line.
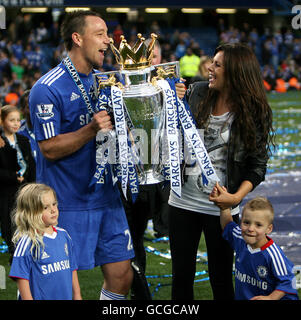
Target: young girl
{"x":17,"y":166}
{"x":43,"y":265}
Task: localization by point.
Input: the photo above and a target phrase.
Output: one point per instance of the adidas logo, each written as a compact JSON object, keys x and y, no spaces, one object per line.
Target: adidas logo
{"x":74,"y":96}
{"x":45,"y":255}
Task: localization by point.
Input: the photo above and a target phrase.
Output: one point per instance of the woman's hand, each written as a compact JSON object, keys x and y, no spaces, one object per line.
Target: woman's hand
{"x":180,"y":89}
{"x":222,"y":198}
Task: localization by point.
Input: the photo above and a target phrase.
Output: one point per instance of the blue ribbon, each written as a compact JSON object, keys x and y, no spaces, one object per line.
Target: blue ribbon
{"x":189,"y":126}
{"x":105,"y":99}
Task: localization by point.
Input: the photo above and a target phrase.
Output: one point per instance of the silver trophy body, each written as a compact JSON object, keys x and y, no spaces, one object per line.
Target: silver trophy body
{"x":143,"y":103}
{"x":144,"y":106}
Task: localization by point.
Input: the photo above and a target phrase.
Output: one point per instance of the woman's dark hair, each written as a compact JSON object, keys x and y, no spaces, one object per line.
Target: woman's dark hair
{"x":246,"y":94}
{"x":74,"y":22}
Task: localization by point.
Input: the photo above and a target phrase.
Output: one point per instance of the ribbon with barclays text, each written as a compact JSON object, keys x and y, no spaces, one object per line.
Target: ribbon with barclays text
{"x":172,"y":137}
{"x":123,"y":164}
{"x":201,"y":155}
{"x":121,"y":133}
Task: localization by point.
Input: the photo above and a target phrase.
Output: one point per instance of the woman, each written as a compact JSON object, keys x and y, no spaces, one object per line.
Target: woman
{"x":233,"y":113}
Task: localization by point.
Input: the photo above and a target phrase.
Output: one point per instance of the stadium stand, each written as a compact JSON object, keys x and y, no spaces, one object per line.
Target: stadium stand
{"x":24,"y":56}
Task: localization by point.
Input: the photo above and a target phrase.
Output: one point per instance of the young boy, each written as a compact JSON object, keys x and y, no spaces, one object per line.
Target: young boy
{"x":262,"y":271}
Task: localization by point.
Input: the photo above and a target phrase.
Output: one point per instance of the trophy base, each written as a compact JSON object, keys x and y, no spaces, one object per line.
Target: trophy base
{"x":149,"y":177}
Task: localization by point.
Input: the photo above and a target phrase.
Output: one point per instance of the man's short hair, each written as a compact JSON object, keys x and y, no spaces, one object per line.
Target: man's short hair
{"x":74,"y":22}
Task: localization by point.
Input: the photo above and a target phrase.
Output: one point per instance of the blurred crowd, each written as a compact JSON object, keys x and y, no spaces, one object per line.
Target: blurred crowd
{"x":278,"y":52}
{"x":27,"y":51}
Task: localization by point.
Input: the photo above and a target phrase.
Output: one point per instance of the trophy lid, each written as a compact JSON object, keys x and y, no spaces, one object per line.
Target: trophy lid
{"x":138,"y":57}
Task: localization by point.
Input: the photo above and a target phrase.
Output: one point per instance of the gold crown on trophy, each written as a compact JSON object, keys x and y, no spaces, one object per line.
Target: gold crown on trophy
{"x":138,"y":57}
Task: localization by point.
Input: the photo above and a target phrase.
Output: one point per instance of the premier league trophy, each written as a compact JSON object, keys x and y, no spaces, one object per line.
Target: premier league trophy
{"x":151,"y":123}
{"x":143,"y":107}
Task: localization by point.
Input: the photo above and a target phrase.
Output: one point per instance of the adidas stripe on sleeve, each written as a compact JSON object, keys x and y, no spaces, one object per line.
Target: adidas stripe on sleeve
{"x":282,"y":269}
{"x":278,"y":260}
{"x":232,"y":233}
{"x":22,"y":259}
{"x":22,"y":246}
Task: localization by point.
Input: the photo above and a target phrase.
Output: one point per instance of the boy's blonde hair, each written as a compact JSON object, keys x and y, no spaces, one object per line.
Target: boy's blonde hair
{"x":28,"y":215}
{"x":260,"y":203}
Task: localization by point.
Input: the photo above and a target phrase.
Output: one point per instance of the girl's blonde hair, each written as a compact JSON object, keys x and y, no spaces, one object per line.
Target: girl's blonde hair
{"x":28,"y":215}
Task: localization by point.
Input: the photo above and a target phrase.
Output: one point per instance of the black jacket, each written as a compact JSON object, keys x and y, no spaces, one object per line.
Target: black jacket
{"x":241,"y":165}
{"x":9,"y":184}
{"x":9,"y":165}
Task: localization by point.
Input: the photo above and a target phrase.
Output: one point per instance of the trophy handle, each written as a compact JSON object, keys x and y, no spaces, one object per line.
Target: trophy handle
{"x":173,"y":66}
{"x":106,"y":79}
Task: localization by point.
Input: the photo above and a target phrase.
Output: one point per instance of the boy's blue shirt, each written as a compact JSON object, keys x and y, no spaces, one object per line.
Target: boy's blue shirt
{"x":260,"y":271}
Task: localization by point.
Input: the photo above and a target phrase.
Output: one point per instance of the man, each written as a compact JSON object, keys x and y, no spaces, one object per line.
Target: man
{"x":189,"y":65}
{"x":138,"y":213}
{"x":152,"y":202}
{"x":66,"y":122}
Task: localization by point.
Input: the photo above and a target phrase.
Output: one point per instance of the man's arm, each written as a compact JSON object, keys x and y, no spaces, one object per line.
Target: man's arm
{"x":66,"y":144}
